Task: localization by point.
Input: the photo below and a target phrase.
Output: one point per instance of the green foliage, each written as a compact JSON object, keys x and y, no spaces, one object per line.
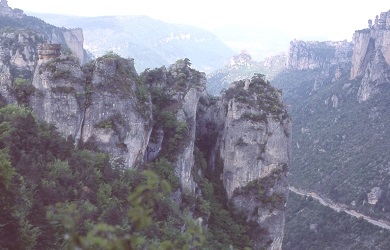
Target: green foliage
{"x":166,"y":171}
{"x":7,"y":172}
{"x":225,"y":229}
{"x":142,"y":93}
{"x":22,"y":89}
{"x":56,"y":197}
{"x":143,"y":201}
{"x":259,"y":95}
{"x":254,"y":117}
{"x":12,"y":111}
{"x":111,"y":55}
{"x":332,"y":155}
{"x":261,"y":190}
{"x":26,"y":22}
{"x":113,"y":122}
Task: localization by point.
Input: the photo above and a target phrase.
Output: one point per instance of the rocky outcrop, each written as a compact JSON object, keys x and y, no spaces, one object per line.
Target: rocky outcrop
{"x":371,"y":56}
{"x":59,"y":89}
{"x":98,"y":106}
{"x":18,"y":58}
{"x":243,"y":59}
{"x":253,"y":143}
{"x":182,"y":88}
{"x":185,"y":161}
{"x":374,"y":195}
{"x":71,"y":39}
{"x":115,"y":120}
{"x":311,"y":55}
{"x":74,"y":40}
{"x":5,"y":10}
{"x":377,"y":72}
{"x":376,"y":37}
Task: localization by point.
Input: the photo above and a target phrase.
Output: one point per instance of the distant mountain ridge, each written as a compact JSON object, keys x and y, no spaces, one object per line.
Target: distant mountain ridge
{"x":243,"y":66}
{"x":150,"y":42}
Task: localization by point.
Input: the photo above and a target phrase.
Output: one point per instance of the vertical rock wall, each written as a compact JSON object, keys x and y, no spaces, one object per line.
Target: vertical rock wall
{"x":249,"y":129}
{"x":376,"y":37}
{"x":58,"y":97}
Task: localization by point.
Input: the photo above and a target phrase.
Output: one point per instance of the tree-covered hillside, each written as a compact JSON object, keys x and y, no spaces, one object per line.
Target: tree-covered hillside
{"x":339,"y":144}
{"x":310,"y":225}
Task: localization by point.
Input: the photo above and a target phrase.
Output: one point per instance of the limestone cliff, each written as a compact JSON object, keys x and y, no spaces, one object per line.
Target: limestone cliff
{"x":251,"y":133}
{"x":366,"y":41}
{"x":371,"y":56}
{"x":19,"y":56}
{"x":177,"y":91}
{"x":96,"y":104}
{"x":71,"y":39}
{"x":115,"y":119}
{"x":311,"y":54}
{"x":59,"y":87}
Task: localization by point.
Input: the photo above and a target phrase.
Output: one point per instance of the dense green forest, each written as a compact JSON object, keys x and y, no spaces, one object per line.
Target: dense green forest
{"x":340,"y":148}
{"x":54,"y":196}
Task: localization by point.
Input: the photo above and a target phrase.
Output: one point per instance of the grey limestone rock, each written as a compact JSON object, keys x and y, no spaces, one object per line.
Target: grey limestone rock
{"x":313,"y":54}
{"x":251,"y":134}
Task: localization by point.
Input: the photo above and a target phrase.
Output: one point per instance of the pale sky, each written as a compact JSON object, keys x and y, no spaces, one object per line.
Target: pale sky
{"x":330,"y":19}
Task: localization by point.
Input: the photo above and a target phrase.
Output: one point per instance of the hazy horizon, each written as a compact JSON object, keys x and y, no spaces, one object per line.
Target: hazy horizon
{"x":247,"y":24}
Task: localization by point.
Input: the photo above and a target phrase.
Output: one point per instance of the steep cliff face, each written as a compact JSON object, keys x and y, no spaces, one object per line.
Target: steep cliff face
{"x":253,"y":144}
{"x":176,"y":91}
{"x":376,"y":73}
{"x":367,"y":41}
{"x":187,"y":113}
{"x":256,"y":154}
{"x":371,"y":57}
{"x":18,"y":54}
{"x":58,"y":96}
{"x":312,"y":55}
{"x":115,"y":119}
{"x":15,"y":21}
{"x":73,"y":39}
{"x":96,"y":104}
